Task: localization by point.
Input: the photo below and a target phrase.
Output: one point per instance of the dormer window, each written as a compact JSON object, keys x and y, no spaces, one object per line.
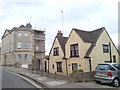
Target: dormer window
{"x":56,"y":51}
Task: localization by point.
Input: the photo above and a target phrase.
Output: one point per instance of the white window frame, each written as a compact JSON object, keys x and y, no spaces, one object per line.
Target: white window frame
{"x":19,"y":34}
{"x":26,"y":34}
{"x":19,"y":44}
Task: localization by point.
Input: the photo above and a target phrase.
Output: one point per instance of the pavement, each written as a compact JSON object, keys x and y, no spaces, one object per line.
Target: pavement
{"x":54,"y":83}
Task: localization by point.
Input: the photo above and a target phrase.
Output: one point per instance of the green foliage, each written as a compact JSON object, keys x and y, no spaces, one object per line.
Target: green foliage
{"x":75,"y":71}
{"x":80,"y":70}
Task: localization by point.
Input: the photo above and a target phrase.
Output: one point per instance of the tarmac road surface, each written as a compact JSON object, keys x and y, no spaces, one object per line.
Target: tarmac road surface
{"x":10,"y":80}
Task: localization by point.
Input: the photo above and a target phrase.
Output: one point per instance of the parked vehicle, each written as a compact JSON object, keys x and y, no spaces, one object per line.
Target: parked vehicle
{"x":108,"y":73}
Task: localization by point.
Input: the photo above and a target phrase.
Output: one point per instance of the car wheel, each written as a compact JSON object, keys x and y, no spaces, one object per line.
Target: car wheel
{"x":115,"y":82}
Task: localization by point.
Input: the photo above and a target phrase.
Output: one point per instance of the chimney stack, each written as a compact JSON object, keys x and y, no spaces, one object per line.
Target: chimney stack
{"x":59,"y":34}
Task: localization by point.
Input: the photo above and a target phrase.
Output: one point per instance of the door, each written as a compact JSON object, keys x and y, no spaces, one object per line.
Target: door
{"x":45,"y":66}
{"x":74,"y":66}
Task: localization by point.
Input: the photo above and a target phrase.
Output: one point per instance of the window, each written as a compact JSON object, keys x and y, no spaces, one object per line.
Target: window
{"x":59,"y":66}
{"x":114,"y":58}
{"x":52,"y":66}
{"x":74,"y":66}
{"x":103,"y":67}
{"x":30,"y":45}
{"x":105,"y":48}
{"x":56,"y":51}
{"x":31,"y":57}
{"x":19,"y":57}
{"x":19,"y":34}
{"x":19,"y":44}
{"x":74,"y":50}
{"x":117,"y":66}
{"x":37,"y":47}
{"x":25,"y":57}
{"x":25,"y":34}
{"x":26,"y":44}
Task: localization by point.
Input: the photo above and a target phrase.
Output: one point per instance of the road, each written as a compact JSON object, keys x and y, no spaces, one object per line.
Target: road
{"x":10,"y":80}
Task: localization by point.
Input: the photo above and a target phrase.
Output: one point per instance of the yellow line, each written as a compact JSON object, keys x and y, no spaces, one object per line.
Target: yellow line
{"x":28,"y":80}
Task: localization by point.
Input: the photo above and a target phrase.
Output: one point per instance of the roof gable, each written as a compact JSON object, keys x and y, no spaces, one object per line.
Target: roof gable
{"x":6,"y":33}
{"x":90,"y":37}
{"x":62,"y":42}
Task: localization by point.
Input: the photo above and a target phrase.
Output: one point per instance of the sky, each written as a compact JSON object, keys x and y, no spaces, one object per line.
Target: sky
{"x":46,"y":15}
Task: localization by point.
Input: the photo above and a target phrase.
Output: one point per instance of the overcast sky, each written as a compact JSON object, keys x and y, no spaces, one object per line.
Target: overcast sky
{"x":46,"y":14}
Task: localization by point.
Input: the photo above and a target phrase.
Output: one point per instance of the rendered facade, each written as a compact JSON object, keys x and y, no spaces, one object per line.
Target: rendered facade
{"x":81,"y":50}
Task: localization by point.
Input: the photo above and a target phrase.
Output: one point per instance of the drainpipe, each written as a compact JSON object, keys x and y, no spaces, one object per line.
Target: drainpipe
{"x":48,"y":65}
{"x":66,"y":66}
{"x":110,"y":53}
{"x":90,"y":64}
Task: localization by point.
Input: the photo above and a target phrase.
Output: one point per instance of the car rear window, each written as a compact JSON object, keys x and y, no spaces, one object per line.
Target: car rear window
{"x":103,"y":67}
{"x":117,"y":66}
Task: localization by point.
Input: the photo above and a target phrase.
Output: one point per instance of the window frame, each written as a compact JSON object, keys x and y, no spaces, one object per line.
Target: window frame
{"x":105,"y":48}
{"x":59,"y":66}
{"x":56,"y":51}
{"x":25,"y":56}
{"x":19,"y":57}
{"x":73,"y":68}
{"x":19,"y":34}
{"x":26,"y":44}
{"x":26,"y":34}
{"x":114,"y":59}
{"x":74,"y":50}
{"x":19,"y":44}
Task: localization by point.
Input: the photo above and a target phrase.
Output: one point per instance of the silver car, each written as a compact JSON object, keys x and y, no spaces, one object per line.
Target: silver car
{"x":108,"y":73}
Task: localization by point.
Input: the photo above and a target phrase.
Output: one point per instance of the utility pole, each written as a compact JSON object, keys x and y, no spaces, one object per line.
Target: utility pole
{"x":30,"y":19}
{"x":62,"y":21}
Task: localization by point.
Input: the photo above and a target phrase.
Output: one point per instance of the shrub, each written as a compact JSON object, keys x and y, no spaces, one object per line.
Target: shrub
{"x":75,"y":71}
{"x":80,"y":70}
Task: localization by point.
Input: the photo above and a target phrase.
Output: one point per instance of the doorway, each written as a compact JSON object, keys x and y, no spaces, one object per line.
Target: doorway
{"x":45,"y":66}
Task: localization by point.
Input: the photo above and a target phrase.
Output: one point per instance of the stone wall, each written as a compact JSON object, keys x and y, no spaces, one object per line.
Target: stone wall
{"x":81,"y":77}
{"x":74,"y":77}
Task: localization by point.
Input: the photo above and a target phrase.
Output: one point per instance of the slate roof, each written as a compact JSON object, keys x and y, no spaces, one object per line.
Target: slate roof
{"x":90,"y":37}
{"x":62,"y":41}
{"x":86,"y":36}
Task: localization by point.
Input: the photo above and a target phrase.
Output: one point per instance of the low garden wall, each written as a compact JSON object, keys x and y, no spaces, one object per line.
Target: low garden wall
{"x":81,"y":77}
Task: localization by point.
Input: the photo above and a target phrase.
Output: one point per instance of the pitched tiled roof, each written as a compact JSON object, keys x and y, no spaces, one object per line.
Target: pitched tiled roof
{"x":62,"y":41}
{"x":89,"y":36}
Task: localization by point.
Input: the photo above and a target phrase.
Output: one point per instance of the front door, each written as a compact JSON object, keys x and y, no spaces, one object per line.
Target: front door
{"x":45,"y":66}
{"x":74,"y":66}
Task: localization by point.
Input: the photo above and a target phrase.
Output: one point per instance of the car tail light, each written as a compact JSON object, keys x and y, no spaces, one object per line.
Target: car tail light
{"x":94,"y":72}
{"x":109,"y":74}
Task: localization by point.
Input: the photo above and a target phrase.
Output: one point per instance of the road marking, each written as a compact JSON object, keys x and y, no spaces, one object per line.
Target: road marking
{"x":55,"y":83}
{"x":28,"y":80}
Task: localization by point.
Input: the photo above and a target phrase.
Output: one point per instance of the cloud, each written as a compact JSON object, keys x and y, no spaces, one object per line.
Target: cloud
{"x":81,"y":14}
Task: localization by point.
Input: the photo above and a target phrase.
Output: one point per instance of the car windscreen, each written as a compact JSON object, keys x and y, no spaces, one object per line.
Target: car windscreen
{"x":103,"y":67}
{"x":117,"y":66}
